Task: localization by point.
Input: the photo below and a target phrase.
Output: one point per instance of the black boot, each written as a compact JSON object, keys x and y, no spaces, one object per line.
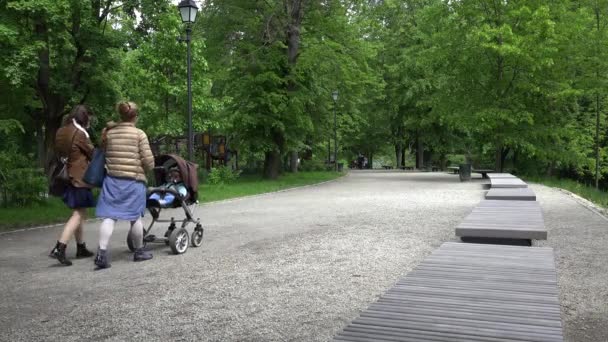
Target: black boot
{"x":82,"y":251}
{"x":102,"y":260}
{"x":59,"y":253}
{"x":54,"y":251}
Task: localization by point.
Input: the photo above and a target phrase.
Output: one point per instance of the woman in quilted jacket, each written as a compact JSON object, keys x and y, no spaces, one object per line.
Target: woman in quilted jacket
{"x":123,"y":195}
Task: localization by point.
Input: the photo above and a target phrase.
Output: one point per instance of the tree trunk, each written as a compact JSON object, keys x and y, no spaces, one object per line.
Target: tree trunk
{"x":550,"y":168}
{"x":52,"y":103}
{"x":293,"y":162}
{"x":597,"y":140}
{"x":419,"y":154}
{"x":402,"y":158}
{"x":370,"y":162}
{"x":272,"y":164}
{"x":597,"y":107}
{"x":398,"y":154}
{"x":498,"y":159}
{"x":443,"y":161}
{"x":41,"y":151}
{"x":504,"y":154}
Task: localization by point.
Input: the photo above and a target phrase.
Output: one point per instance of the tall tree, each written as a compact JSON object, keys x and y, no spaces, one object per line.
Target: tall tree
{"x":69,"y":45}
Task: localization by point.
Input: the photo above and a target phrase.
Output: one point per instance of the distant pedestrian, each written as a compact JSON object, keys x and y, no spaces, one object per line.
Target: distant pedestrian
{"x":72,"y":142}
{"x":123,"y":195}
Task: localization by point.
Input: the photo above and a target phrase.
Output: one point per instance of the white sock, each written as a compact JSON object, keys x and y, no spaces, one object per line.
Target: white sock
{"x":105,"y":233}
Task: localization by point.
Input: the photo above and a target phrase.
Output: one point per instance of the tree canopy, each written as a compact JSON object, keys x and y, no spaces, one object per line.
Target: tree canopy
{"x":516,"y":84}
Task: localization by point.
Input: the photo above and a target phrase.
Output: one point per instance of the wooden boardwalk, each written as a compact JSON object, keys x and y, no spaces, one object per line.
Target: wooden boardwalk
{"x":468,"y":292}
{"x":504,"y":219}
{"x":520,"y":194}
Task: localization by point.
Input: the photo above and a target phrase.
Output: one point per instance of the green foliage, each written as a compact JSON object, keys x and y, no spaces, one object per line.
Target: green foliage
{"x":313,"y":165}
{"x":20,"y":185}
{"x":222,"y":175}
{"x":455,"y":159}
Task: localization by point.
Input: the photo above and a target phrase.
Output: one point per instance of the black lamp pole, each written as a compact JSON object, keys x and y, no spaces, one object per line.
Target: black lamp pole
{"x":188,"y":10}
{"x":190,"y":134}
{"x":335,"y":97}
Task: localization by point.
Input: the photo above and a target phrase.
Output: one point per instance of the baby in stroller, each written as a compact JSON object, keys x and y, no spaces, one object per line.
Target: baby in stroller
{"x":175,"y":182}
{"x":178,"y":189}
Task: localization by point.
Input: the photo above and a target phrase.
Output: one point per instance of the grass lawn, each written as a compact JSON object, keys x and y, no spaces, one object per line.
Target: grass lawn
{"x":590,"y":193}
{"x":54,"y":211}
{"x":252,"y":185}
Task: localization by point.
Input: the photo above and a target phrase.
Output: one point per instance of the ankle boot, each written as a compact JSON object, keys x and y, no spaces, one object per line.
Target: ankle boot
{"x":82,"y":251}
{"x":54,"y":251}
{"x":59,"y":253}
{"x":102,"y":260}
{"x":142,"y":255}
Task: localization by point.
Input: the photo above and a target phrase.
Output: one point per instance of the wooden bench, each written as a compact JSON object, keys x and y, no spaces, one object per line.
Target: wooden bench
{"x":518,"y":194}
{"x":501,"y":219}
{"x":484,"y":172}
{"x":468,"y":292}
{"x":507,"y":183}
{"x":500,"y":175}
{"x":387,"y":167}
{"x":454,"y":169}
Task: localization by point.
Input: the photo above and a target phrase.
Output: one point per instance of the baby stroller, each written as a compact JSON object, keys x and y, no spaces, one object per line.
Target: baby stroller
{"x":175,"y":237}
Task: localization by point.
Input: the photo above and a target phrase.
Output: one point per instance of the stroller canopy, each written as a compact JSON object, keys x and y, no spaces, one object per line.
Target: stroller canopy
{"x":187,"y":169}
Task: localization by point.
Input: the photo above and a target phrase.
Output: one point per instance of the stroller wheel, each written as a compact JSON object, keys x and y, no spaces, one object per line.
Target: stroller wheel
{"x":179,"y":240}
{"x":197,"y":236}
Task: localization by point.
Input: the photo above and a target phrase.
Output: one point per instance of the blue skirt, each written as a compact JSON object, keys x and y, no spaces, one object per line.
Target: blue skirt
{"x":76,"y":198}
{"x":121,"y":199}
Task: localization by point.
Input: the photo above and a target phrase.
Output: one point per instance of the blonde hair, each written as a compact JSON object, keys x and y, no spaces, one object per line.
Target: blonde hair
{"x":128,"y":111}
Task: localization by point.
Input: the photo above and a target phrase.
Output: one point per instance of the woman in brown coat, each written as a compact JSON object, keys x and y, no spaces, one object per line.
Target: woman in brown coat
{"x":72,"y":141}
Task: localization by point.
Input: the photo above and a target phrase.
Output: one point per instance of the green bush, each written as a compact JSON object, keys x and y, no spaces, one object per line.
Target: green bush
{"x":20,"y":184}
{"x":222,"y":175}
{"x":455,"y":159}
{"x":313,"y":165}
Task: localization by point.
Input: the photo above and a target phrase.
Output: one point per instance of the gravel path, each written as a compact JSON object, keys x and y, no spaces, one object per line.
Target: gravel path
{"x":290,"y":266}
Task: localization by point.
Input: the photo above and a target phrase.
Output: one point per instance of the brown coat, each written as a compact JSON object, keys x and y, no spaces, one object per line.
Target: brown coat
{"x":128,"y":153}
{"x":79,"y":152}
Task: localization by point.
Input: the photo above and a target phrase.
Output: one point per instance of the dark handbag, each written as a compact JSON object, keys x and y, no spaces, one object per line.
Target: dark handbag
{"x":96,"y":171}
{"x":59,"y":177}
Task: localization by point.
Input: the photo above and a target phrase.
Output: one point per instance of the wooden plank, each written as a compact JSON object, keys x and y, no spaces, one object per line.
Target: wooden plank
{"x":521,"y":194}
{"x":468,"y":292}
{"x":514,"y":204}
{"x":507,"y":183}
{"x":500,"y":175}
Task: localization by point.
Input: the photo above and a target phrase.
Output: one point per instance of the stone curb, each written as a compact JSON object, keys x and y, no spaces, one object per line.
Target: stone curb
{"x":199,"y":205}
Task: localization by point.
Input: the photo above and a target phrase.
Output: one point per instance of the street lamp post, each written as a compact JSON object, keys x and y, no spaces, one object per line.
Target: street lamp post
{"x":335,"y":97}
{"x":188,"y":10}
